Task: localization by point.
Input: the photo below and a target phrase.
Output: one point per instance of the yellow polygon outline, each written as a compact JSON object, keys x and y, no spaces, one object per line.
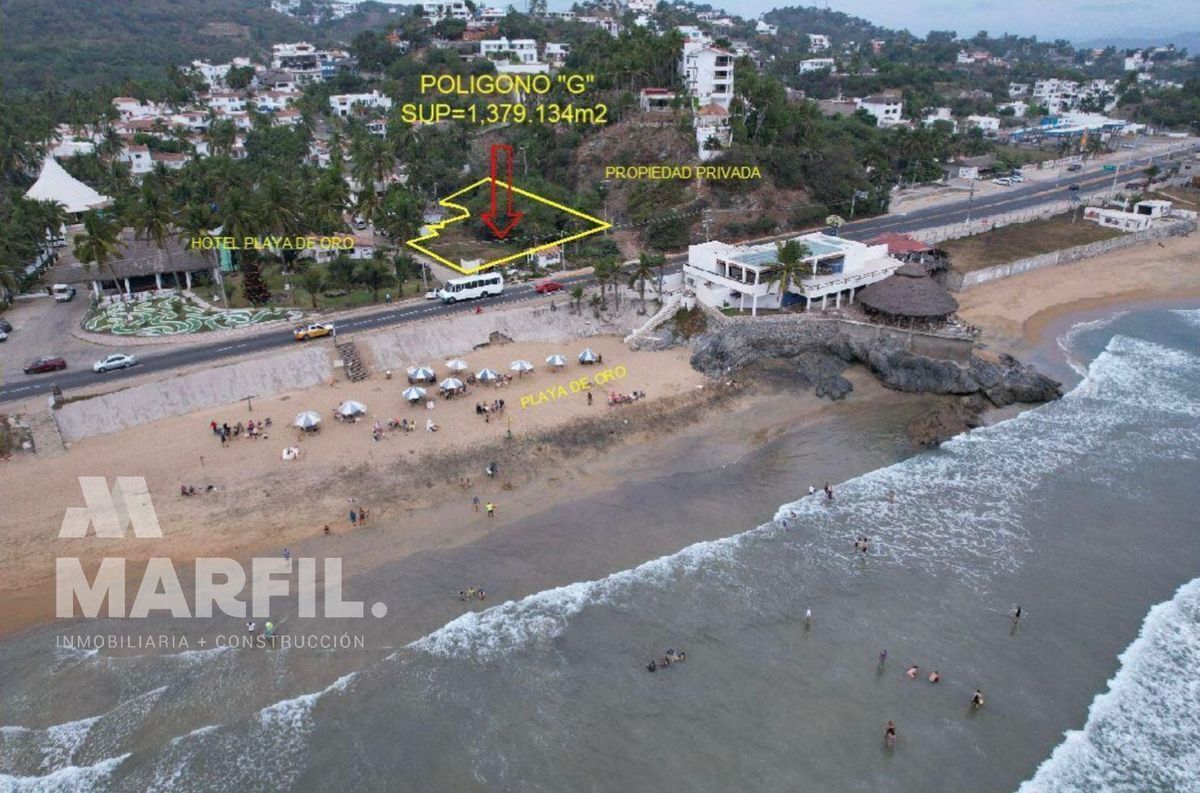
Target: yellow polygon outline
{"x":448,"y":203}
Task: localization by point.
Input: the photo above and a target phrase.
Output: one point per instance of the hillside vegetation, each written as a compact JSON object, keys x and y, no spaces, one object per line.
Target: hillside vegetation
{"x":83,"y":44}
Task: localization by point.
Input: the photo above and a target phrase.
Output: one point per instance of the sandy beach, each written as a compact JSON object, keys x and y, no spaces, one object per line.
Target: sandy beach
{"x":1014,"y":312}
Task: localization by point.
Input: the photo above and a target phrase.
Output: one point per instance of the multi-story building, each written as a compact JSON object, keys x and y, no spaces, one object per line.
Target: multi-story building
{"x":746,"y":276}
{"x":556,"y":53}
{"x":815,"y":65}
{"x":347,"y":104}
{"x":818,"y":42}
{"x":437,"y":10}
{"x":708,"y":74}
{"x":887,"y":109}
{"x":765,"y":29}
{"x":524,"y":50}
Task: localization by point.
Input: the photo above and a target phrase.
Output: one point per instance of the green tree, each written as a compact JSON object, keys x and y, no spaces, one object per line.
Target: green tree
{"x":642,"y":271}
{"x":312,"y":280}
{"x":99,"y":246}
{"x":577,"y":296}
{"x":374,"y":274}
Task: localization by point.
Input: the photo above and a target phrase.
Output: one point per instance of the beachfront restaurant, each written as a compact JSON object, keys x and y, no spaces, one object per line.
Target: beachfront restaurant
{"x":740,"y":277}
{"x":140,"y":266}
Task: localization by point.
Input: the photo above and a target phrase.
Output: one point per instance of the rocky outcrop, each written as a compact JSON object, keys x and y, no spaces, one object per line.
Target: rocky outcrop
{"x":943,"y":421}
{"x":820,"y":353}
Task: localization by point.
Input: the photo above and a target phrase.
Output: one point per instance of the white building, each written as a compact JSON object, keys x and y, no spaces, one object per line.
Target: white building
{"x":1018,"y":89}
{"x":345,"y":104}
{"x":438,"y":10}
{"x":301,"y":60}
{"x":887,"y":110}
{"x":1136,"y":62}
{"x":610,"y":25}
{"x":556,"y":53}
{"x":138,"y":158}
{"x":764,"y":29}
{"x":524,"y":50}
{"x":656,"y":99}
{"x":985,"y":123}
{"x":818,"y":42}
{"x":739,"y":276}
{"x":936,"y":114}
{"x":815,"y":65}
{"x":708,"y":74}
{"x":713,"y":131}
{"x":693,"y":34}
{"x":1018,"y":108}
{"x":491,"y":15}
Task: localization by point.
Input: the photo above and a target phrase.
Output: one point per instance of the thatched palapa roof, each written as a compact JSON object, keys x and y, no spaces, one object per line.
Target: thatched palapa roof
{"x":137,"y":257}
{"x":908,"y":292}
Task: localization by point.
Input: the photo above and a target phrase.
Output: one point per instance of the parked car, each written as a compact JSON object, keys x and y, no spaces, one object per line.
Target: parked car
{"x":547,"y":287}
{"x":1134,"y":185}
{"x":313,"y":331}
{"x":47,"y":363}
{"x":63,"y":293}
{"x":431,"y":294}
{"x":1073,"y":188}
{"x":1073,"y":167}
{"x":1016,"y":177}
{"x":1003,"y":181}
{"x":118,"y":360}
{"x":5,"y":325}
{"x":3,"y":336}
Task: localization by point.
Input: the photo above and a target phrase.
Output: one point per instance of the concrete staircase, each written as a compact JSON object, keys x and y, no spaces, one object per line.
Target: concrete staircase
{"x":47,"y":440}
{"x":352,"y":362}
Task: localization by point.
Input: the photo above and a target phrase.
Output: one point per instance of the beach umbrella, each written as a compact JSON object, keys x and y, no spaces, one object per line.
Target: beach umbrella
{"x":457,"y":365}
{"x":414,"y":394}
{"x":451,"y":384}
{"x":308,"y":419}
{"x":422,"y":373}
{"x":487,"y":376}
{"x":521,"y":366}
{"x":587,"y":356}
{"x":556,"y":360}
{"x":351,"y":408}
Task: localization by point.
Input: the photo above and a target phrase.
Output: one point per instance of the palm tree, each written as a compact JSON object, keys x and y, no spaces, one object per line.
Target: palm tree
{"x":152,"y":220}
{"x":404,"y":266}
{"x":98,"y":246}
{"x":790,"y":256}
{"x":313,"y":281}
{"x":603,"y":273}
{"x":577,"y":296}
{"x":374,"y":274}
{"x":643,"y":270}
{"x":596,"y":302}
{"x":193,"y":223}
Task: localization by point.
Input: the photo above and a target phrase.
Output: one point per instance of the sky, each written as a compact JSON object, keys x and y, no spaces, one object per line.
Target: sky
{"x":1075,"y":20}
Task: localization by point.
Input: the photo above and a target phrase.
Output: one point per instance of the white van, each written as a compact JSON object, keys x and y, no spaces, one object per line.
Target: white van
{"x":471,"y":287}
{"x":63,"y":293}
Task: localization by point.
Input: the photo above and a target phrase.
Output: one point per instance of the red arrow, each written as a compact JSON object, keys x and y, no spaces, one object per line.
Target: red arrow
{"x":489,"y":217}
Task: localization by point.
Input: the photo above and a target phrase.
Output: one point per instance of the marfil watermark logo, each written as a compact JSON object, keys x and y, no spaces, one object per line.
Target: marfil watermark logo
{"x":220,"y":583}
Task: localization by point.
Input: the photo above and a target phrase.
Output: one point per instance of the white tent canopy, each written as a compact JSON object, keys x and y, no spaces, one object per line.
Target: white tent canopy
{"x":55,"y":184}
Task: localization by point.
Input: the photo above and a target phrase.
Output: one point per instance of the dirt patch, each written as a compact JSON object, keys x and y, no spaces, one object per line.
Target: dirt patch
{"x":1022,"y":240}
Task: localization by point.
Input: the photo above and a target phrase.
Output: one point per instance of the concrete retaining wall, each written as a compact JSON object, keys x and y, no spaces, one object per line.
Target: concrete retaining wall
{"x":931,"y":345}
{"x":188,"y":393}
{"x":425,"y":343}
{"x":957,"y":282}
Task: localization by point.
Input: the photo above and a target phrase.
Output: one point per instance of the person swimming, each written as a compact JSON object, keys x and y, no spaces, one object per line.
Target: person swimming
{"x":912,"y":672}
{"x":934,"y":676}
{"x":977,"y":700}
{"x":652,"y":666}
{"x":889,"y":735}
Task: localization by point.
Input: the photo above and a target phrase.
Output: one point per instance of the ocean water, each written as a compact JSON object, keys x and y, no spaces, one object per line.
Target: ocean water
{"x":1082,"y":511}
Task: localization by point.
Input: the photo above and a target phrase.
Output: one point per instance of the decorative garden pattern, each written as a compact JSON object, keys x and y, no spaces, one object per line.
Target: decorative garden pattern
{"x":170,"y":316}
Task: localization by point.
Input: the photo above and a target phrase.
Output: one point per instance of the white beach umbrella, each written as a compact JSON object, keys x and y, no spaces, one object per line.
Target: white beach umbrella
{"x":556,"y":360}
{"x":308,"y":419}
{"x":521,"y":366}
{"x":423,"y":373}
{"x":351,"y":408}
{"x":413,"y":394}
{"x":487,"y":375}
{"x":587,"y":356}
{"x":450,"y":384}
{"x":457,"y":365}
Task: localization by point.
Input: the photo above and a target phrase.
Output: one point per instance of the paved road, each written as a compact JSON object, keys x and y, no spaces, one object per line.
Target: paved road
{"x":1023,"y":196}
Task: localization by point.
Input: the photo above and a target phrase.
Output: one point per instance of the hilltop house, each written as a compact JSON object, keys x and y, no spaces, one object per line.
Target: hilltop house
{"x":524,"y":50}
{"x":886,"y":109}
{"x":708,"y":74}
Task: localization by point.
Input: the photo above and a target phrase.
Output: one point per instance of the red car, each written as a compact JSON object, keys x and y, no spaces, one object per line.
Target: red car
{"x":548,"y":287}
{"x":48,"y":363}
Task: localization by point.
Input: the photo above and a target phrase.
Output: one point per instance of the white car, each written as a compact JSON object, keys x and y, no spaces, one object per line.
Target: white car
{"x":1016,"y":177}
{"x":117,"y":360}
{"x":431,"y":295}
{"x":3,"y":336}
{"x":1003,"y":181}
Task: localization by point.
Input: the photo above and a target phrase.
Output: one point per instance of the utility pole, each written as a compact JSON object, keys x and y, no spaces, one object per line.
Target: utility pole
{"x":971,"y":200}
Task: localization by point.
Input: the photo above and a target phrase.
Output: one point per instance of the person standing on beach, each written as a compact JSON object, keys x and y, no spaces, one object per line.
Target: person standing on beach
{"x":883,"y":656}
{"x":828,"y":491}
{"x":808,"y":618}
{"x":1017,"y":614}
{"x":353,"y":518}
{"x":812,"y":491}
{"x":287,"y":555}
{"x":889,"y":735}
{"x":475,"y":503}
{"x":491,"y":510}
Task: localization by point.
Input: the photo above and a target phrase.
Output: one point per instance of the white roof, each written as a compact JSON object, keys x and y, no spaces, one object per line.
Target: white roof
{"x":55,"y":184}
